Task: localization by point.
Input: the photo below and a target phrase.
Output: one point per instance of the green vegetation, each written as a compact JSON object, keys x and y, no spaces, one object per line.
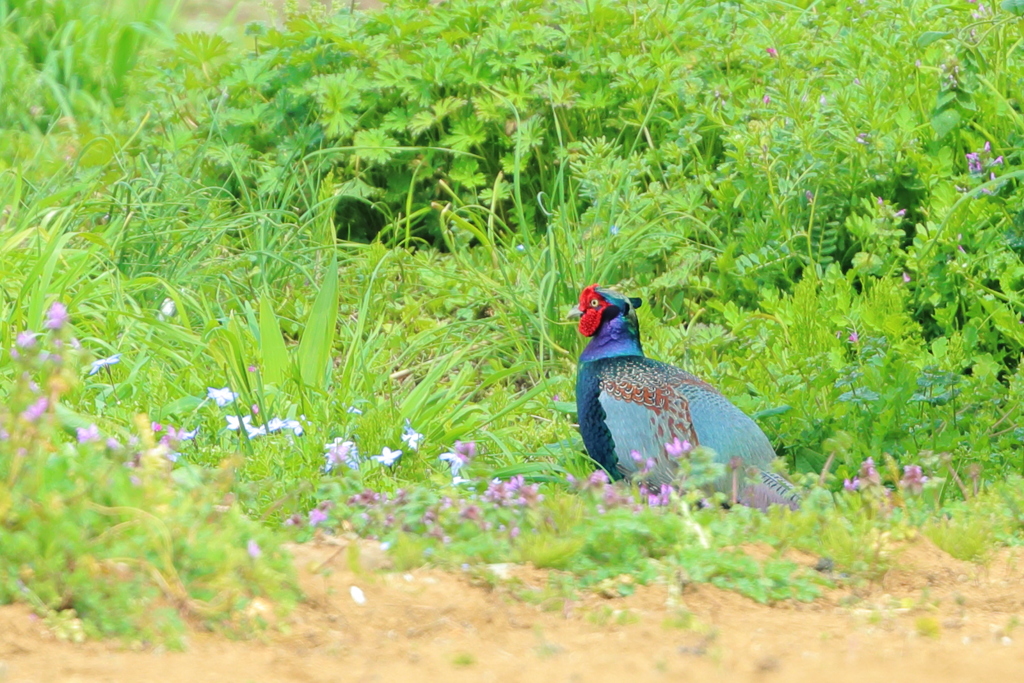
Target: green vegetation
{"x":369,"y":226}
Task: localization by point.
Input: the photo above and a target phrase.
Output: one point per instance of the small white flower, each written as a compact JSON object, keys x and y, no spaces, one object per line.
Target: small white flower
{"x":411,"y":437}
{"x":234,"y":423}
{"x":168,"y":309}
{"x":354,"y":411}
{"x":388,"y":457}
{"x":275,"y":424}
{"x":98,"y":365}
{"x":456,"y":480}
{"x":295,"y":426}
{"x":221,"y":397}
{"x":454,"y":461}
{"x":187,"y":436}
{"x":357,"y":594}
{"x":253,"y":432}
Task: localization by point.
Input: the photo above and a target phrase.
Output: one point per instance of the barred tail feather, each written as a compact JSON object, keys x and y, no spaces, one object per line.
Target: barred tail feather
{"x":771,"y":490}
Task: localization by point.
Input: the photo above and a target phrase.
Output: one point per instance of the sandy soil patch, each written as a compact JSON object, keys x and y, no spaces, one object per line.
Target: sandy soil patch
{"x":931,"y":618}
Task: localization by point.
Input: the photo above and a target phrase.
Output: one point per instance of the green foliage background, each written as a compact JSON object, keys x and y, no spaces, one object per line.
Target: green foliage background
{"x":392,"y":211}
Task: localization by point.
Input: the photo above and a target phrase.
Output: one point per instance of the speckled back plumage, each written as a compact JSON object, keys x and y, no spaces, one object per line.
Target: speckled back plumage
{"x":628,"y":402}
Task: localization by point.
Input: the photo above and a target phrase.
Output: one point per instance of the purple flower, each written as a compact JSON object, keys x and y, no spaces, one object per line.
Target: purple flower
{"x":973,"y":162}
{"x":869,"y":474}
{"x":809,"y":195}
{"x":659,"y":498}
{"x":906,"y":276}
{"x":36,"y":410}
{"x":677,"y":448}
{"x":851,"y":485}
{"x":341,"y":452}
{"x":465,"y":450}
{"x":25,"y":340}
{"x":862,"y":138}
{"x":500,"y":493}
{"x":597,"y":479}
{"x":57,"y":316}
{"x":913,"y":479}
{"x":88,"y":434}
{"x":772,"y":52}
{"x":253,"y":548}
{"x":854,"y":337}
{"x":317,"y":516}
{"x":766,"y":99}
{"x":612,"y":497}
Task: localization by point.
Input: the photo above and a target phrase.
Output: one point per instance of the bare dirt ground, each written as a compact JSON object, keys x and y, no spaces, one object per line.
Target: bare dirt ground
{"x":931,"y":618}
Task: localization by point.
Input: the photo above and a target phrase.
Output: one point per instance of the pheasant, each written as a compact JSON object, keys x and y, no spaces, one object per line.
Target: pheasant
{"x":627,"y":402}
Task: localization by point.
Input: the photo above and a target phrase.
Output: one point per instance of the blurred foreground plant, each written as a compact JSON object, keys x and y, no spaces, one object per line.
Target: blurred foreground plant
{"x":101,"y":537}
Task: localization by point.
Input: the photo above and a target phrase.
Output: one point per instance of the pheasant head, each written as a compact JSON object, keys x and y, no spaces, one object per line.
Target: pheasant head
{"x":599,"y":305}
{"x":609,"y":319}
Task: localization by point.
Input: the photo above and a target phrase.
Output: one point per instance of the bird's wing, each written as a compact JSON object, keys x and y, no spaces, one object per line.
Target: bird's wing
{"x":648,"y":404}
{"x":725,"y":428}
{"x":644,"y":410}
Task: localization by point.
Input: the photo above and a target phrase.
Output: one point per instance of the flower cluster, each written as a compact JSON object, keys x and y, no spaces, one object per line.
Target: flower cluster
{"x":344,"y":451}
{"x":977,"y":162}
{"x":611,"y":496}
{"x":225,"y":397}
{"x":172,"y":438}
{"x":868,"y":478}
{"x":512,"y":493}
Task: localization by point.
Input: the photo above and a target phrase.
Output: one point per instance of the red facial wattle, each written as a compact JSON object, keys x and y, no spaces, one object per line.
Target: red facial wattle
{"x":590,"y":318}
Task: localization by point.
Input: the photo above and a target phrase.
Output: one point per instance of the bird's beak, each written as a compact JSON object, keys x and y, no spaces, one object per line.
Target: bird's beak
{"x":574,"y":313}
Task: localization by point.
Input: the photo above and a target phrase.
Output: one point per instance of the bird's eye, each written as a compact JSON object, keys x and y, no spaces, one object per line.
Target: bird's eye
{"x":595,"y":303}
